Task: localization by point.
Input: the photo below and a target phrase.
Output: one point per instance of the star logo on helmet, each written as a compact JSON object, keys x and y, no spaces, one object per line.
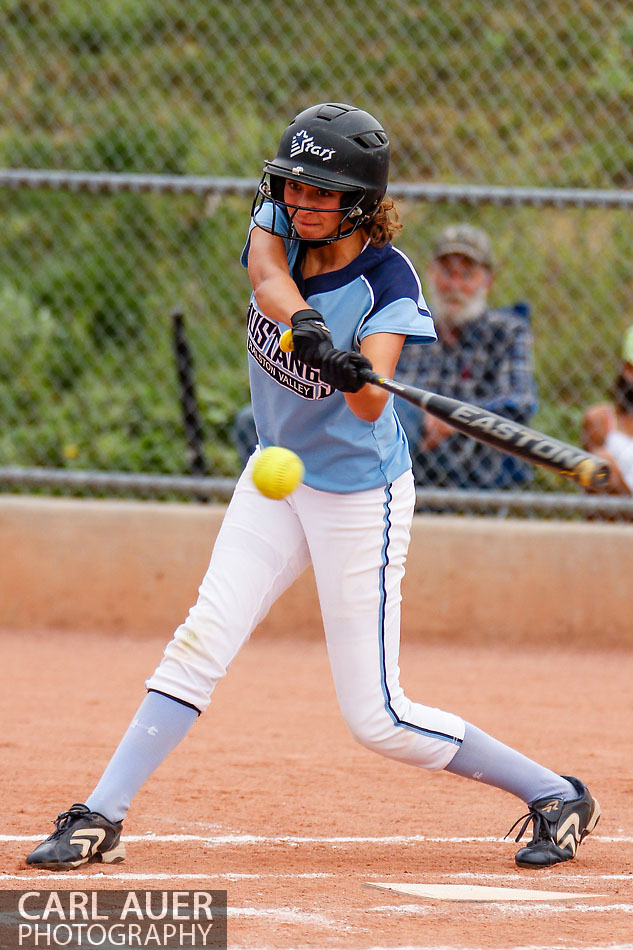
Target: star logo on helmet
{"x":303,"y":142}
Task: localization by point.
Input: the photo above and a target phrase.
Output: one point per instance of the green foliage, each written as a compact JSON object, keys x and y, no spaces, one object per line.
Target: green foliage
{"x":182,"y":85}
{"x":470,"y":92}
{"x":87,"y":371}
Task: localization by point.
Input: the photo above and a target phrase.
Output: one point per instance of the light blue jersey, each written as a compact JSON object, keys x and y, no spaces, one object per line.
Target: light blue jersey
{"x":378,"y":292}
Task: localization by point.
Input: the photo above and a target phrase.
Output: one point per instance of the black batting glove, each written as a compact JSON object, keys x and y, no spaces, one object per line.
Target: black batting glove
{"x":344,"y":370}
{"x":310,"y":336}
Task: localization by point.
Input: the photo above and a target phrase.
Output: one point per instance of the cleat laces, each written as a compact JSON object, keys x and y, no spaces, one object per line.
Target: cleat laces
{"x":541,"y":827}
{"x":64,"y":819}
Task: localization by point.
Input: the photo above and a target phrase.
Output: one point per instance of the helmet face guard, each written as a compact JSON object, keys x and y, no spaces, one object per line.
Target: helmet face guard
{"x":283,"y":212}
{"x":332,"y":146}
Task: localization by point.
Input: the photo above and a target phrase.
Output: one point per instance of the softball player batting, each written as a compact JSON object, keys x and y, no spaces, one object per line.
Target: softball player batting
{"x":320,"y":259}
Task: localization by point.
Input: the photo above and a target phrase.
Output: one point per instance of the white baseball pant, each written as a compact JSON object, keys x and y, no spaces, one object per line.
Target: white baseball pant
{"x":357,"y":544}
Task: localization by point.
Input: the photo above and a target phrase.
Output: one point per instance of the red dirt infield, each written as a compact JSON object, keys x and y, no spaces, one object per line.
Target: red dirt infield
{"x":270,"y":799}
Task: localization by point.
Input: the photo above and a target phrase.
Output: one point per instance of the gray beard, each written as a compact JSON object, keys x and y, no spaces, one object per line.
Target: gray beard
{"x":455,"y":309}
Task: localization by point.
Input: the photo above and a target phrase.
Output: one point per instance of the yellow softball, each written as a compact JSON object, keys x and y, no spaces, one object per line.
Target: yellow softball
{"x":286,"y":344}
{"x":277,"y":471}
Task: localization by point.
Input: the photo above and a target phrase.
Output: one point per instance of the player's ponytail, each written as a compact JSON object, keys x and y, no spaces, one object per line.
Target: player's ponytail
{"x":384,"y":225}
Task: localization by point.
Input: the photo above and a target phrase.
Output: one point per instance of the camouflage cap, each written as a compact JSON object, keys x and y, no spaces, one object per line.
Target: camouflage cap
{"x":467,"y":240}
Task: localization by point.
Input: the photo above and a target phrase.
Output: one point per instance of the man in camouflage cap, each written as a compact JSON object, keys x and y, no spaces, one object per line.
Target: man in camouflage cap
{"x":482,"y":356}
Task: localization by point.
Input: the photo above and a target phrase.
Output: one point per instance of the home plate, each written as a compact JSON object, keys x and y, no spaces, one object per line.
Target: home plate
{"x":477,"y":892}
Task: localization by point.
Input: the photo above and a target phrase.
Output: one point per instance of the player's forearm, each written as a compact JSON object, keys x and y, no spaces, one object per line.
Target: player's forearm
{"x":383,"y":351}
{"x":276,"y":294}
{"x":278,"y":297}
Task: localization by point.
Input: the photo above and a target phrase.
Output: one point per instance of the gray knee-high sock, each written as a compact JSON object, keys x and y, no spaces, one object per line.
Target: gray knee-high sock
{"x":158,"y":726}
{"x":487,"y":760}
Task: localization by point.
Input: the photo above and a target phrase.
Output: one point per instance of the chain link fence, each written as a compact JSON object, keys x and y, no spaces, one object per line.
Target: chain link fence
{"x":132,"y":135}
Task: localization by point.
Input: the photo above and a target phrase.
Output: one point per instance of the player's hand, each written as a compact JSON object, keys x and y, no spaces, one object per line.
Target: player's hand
{"x":344,"y":370}
{"x":310,"y":337}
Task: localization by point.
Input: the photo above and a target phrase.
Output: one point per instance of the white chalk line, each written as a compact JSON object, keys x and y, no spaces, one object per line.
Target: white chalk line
{"x":284,"y":915}
{"x":507,"y":909}
{"x":133,"y":876}
{"x":220,"y":840}
{"x":237,"y":876}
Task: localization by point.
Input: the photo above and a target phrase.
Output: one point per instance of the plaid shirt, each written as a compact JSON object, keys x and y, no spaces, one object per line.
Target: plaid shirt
{"x":490,"y":366}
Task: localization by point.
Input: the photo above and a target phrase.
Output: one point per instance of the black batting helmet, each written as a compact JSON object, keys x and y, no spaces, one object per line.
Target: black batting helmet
{"x":334,"y":146}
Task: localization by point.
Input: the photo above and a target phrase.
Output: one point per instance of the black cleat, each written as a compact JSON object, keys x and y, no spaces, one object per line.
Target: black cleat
{"x":558,"y":828}
{"x":81,"y":836}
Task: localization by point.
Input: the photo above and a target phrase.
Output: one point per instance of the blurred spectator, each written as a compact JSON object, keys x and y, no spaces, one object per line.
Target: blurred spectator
{"x":608,"y":426}
{"x":482,"y":356}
